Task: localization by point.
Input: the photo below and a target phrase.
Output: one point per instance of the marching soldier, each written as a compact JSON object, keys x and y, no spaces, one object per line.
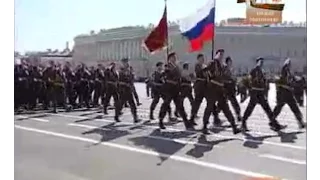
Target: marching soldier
{"x":35,"y":86}
{"x":215,"y":93}
{"x":230,"y":86}
{"x":149,"y":87}
{"x":134,"y":91}
{"x":70,"y":84}
{"x":257,"y":95}
{"x":199,"y":86}
{"x":111,"y":84}
{"x":157,"y":81}
{"x":49,"y":76}
{"x":171,"y":90}
{"x":186,"y":87}
{"x":126,"y":91}
{"x":285,"y":94}
{"x":83,"y":77}
{"x":98,"y":85}
{"x":298,"y":89}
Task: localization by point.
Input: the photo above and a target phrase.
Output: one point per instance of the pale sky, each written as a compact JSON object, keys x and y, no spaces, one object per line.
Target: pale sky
{"x":43,"y":24}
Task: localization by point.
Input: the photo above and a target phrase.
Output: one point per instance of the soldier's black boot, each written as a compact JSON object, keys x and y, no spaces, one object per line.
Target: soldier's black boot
{"x":135,"y":118}
{"x":239,"y":118}
{"x":161,"y":125}
{"x":176,"y":114}
{"x":235,"y":129}
{"x":244,"y":127}
{"x":275,"y":126}
{"x":216,"y":121}
{"x":192,"y":120}
{"x":205,"y":130}
{"x":116,"y":118}
{"x":151,"y":117}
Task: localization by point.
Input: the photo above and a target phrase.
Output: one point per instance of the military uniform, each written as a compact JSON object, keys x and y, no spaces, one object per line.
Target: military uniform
{"x":157,"y":80}
{"x":98,"y":86}
{"x":230,"y":87}
{"x":171,"y":90}
{"x":285,"y":95}
{"x":199,"y":88}
{"x":257,"y":95}
{"x":35,"y":86}
{"x":134,"y":91}
{"x":186,"y":86}
{"x":126,"y":92}
{"x":111,"y":84}
{"x":70,"y":85}
{"x":83,"y":77}
{"x":215,"y":94}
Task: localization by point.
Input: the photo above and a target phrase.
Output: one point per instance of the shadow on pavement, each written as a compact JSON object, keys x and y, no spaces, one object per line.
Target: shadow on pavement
{"x":289,"y":137}
{"x":165,"y":148}
{"x":199,"y":149}
{"x":255,"y":141}
{"x":30,"y":117}
{"x":89,"y":119}
{"x":108,"y":132}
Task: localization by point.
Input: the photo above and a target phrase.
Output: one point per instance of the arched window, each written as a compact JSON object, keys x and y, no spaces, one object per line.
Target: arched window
{"x":295,"y":53}
{"x":288,"y":53}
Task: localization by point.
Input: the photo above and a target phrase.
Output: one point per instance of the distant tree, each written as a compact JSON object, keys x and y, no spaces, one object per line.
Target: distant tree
{"x":92,"y":32}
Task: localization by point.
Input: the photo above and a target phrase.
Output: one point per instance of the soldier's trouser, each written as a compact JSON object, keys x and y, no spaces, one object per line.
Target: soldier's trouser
{"x":186,"y":92}
{"x":51,"y":96}
{"x":71,"y":94}
{"x":216,"y":96}
{"x":234,"y":102}
{"x":171,"y":92}
{"x":287,"y":98}
{"x":298,"y":94}
{"x":155,"y":101}
{"x":111,"y":92}
{"x":90,"y":91}
{"x":84,"y":93}
{"x":126,"y":95}
{"x":97,"y":92}
{"x":199,"y":91}
{"x":35,"y":93}
{"x":61,"y":98}
{"x":135,"y":94}
{"x":255,"y":98}
{"x":148,"y":88}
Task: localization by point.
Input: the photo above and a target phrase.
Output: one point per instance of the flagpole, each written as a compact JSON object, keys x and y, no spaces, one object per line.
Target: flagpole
{"x":167,"y":43}
{"x":213,"y":33}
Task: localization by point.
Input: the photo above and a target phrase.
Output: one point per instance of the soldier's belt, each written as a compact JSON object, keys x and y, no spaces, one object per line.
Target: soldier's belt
{"x":258,"y":89}
{"x":58,"y":84}
{"x":172,"y":82}
{"x":124,"y":84}
{"x":284,"y":86}
{"x":112,"y":82}
{"x":216,"y":83}
{"x":157,"y":84}
{"x":185,"y":84}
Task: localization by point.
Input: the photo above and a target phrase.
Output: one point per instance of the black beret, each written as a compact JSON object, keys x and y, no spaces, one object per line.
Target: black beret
{"x":125,"y":59}
{"x":259,"y":59}
{"x":171,"y":55}
{"x":220,"y":51}
{"x":228,"y":59}
{"x":159,"y":64}
{"x":199,"y":56}
{"x":185,"y":65}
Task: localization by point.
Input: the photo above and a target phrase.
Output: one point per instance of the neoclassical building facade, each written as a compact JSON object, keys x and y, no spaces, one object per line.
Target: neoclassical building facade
{"x":243,"y":44}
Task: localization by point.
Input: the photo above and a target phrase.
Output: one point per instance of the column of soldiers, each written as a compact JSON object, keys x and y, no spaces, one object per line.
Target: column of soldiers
{"x":71,"y":88}
{"x":215,"y":82}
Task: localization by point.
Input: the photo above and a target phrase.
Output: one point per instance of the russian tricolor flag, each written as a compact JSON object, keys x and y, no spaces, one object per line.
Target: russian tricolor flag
{"x":199,"y":27}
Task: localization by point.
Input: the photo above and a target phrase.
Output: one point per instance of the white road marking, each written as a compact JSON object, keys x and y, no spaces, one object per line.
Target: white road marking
{"x":152,"y":137}
{"x":279,"y":158}
{"x":32,"y":119}
{"x":216,"y":135}
{"x":152,"y":153}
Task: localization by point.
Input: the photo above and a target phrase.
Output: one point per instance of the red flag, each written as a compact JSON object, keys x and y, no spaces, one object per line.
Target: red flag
{"x":158,"y":37}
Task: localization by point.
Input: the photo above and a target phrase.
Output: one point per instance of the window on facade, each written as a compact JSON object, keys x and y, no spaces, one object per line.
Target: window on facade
{"x":304,"y":53}
{"x":295,"y":53}
{"x":232,"y":40}
{"x":288,"y":53}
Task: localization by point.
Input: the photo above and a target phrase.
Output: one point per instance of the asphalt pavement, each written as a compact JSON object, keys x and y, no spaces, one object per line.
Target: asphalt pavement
{"x":88,"y":145}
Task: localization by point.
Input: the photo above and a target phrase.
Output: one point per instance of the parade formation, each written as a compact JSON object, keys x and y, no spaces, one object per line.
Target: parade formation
{"x":76,"y":87}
